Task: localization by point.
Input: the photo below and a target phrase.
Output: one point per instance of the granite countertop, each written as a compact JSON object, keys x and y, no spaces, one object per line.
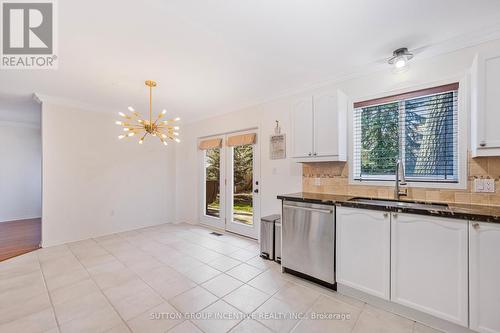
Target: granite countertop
{"x":471,"y":212}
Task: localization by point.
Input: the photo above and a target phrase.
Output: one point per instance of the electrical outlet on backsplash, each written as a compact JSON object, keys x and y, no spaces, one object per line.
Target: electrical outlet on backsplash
{"x":334,"y":179}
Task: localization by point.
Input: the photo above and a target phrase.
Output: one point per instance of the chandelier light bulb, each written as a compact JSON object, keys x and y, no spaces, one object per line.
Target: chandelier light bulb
{"x":131,"y":109}
{"x":177,"y":119}
{"x":118,"y":123}
{"x":164,"y":111}
{"x":177,"y":140}
{"x":176,"y":128}
{"x":141,"y":141}
{"x":121,"y":136}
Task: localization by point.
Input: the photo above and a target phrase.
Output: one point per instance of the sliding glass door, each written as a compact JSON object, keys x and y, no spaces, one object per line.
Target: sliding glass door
{"x":230,"y":184}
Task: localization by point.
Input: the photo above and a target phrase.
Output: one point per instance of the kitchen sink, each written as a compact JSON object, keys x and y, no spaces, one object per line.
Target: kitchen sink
{"x":400,"y":204}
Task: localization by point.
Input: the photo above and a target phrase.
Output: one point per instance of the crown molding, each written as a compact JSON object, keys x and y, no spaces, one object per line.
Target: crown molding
{"x":48,"y":99}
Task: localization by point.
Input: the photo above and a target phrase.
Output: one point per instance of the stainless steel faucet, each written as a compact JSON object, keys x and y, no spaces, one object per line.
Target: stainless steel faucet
{"x":400,"y":180}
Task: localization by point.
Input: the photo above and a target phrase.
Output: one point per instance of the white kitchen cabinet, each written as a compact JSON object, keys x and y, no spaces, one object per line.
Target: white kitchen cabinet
{"x":485,"y":114}
{"x":302,"y":128}
{"x":484,"y":277}
{"x":363,"y":250}
{"x":429,"y":265}
{"x":319,"y":128}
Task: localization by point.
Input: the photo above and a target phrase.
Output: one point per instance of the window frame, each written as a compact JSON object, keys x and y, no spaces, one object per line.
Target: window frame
{"x":462,"y":134}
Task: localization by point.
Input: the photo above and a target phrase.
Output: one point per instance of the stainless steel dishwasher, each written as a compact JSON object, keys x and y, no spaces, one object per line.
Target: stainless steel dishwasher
{"x":308,"y":240}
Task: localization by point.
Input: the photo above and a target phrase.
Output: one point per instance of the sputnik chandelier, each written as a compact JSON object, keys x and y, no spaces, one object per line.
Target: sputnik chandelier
{"x":134,"y":124}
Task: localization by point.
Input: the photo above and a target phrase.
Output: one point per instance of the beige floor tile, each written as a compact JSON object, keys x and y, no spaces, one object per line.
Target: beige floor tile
{"x":243,"y":255}
{"x":15,"y":309}
{"x":145,"y":265}
{"x":224,"y":263}
{"x":73,"y":291}
{"x":100,"y":320}
{"x":205,"y":255}
{"x":22,"y":294}
{"x":185,"y":327}
{"x":250,"y":326}
{"x":115,"y":278}
{"x":54,"y":330}
{"x":159,"y":274}
{"x":10,"y":270}
{"x":80,"y":307}
{"x":278,"y":315}
{"x":373,"y":320}
{"x":33,"y":323}
{"x":184,"y":264}
{"x":34,"y":278}
{"x":156,"y":320}
{"x":292,"y":292}
{"x":120,"y":328}
{"x":61,"y":265}
{"x":244,"y":272}
{"x":222,"y":285}
{"x":108,"y":267}
{"x":263,"y":264}
{"x":344,"y":318}
{"x":246,"y":298}
{"x":173,"y":287}
{"x":202,"y":273}
{"x":269,"y":282}
{"x":90,"y":262}
{"x":193,"y":300}
{"x":52,"y":252}
{"x":420,"y":328}
{"x":132,"y":298}
{"x":66,"y":278}
{"x":221,"y":318}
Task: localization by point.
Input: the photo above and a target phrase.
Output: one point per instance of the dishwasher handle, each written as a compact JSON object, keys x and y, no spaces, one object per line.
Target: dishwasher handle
{"x":319,"y":210}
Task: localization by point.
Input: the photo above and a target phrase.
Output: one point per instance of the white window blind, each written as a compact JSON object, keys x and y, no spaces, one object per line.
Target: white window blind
{"x":420,"y":128}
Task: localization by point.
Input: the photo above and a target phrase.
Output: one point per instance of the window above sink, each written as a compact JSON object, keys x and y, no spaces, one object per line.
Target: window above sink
{"x":419,"y":127}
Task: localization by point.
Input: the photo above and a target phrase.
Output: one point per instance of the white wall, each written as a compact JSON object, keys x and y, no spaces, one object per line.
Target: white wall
{"x":284,"y":176}
{"x":21,"y":166}
{"x":95,"y":184}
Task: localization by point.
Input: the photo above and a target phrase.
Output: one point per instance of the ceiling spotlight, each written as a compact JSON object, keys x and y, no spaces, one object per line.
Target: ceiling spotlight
{"x":400,"y":58}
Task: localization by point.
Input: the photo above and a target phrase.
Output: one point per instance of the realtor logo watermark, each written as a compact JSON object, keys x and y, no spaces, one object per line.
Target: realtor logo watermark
{"x":28,"y":35}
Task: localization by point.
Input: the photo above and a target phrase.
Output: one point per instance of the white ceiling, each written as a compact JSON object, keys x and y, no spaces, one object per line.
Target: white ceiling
{"x":216,"y":56}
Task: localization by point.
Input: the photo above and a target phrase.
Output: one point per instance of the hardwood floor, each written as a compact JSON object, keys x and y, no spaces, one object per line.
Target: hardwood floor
{"x":18,"y":237}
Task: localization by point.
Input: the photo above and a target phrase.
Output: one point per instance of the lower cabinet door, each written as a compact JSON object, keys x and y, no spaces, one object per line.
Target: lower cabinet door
{"x":429,"y":265}
{"x":484,"y":277}
{"x":363,"y":250}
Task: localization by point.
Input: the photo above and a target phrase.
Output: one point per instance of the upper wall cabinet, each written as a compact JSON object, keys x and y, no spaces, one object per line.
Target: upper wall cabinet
{"x":485,"y":113}
{"x":319,"y":128}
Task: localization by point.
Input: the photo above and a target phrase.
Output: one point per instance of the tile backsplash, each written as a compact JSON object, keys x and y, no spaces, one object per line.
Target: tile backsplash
{"x":334,"y":179}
